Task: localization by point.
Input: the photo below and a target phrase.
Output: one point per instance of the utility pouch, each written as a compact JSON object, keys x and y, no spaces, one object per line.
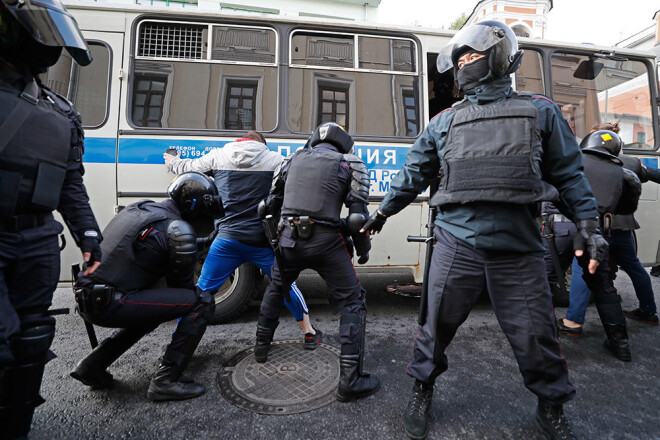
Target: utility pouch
{"x":97,"y":297}
{"x":304,"y":228}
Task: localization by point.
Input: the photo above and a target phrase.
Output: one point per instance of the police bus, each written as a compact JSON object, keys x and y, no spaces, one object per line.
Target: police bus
{"x":195,"y":80}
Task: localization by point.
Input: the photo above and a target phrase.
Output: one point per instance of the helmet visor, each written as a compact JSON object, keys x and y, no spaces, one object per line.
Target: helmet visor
{"x":477,"y":37}
{"x":51,"y":25}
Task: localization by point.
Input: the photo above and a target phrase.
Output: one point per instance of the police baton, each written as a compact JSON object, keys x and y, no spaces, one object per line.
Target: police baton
{"x":430,"y":242}
{"x":270,"y":227}
{"x":79,"y":294}
{"x":549,"y":235}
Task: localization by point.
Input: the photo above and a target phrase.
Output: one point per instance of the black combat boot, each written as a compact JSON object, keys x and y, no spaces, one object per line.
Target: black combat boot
{"x":167,"y":384}
{"x":262,"y":346}
{"x":92,"y":369}
{"x":416,"y":420}
{"x":552,"y":423}
{"x":617,"y":341}
{"x":354,"y":384}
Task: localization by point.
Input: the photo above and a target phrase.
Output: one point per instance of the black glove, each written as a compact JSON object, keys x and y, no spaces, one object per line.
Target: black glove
{"x":375,"y":222}
{"x":588,"y":235}
{"x":91,"y":243}
{"x":205,"y":242}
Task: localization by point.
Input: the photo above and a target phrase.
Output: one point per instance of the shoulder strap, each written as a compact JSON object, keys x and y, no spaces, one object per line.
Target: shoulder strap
{"x":15,"y":120}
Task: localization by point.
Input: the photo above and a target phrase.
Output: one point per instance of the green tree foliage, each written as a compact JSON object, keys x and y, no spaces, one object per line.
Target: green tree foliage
{"x":459,"y":22}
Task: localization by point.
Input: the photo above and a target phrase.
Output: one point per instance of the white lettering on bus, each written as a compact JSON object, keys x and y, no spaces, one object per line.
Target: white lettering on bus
{"x":390,"y":155}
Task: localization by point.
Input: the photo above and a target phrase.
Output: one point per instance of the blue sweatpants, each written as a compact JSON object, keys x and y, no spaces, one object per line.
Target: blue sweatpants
{"x":225,"y":255}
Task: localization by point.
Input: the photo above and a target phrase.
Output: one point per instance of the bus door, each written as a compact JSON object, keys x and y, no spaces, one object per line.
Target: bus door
{"x":94,"y":90}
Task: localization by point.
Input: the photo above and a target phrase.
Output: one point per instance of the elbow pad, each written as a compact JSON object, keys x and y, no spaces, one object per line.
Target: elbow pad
{"x":632,"y":190}
{"x":181,"y":248}
{"x":360,"y":181}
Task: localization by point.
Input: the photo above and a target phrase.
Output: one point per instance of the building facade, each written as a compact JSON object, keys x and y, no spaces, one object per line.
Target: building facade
{"x":527,"y":18}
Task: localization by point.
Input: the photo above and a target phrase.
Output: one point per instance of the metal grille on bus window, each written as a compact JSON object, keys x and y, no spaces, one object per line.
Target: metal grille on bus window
{"x":330,"y":53}
{"x":172,"y":40}
{"x":240,"y":44}
{"x":403,"y":56}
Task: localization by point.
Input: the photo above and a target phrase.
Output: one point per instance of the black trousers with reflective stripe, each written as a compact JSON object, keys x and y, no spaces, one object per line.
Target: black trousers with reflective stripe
{"x":142,"y":311}
{"x":327,"y":254}
{"x":518,"y":289}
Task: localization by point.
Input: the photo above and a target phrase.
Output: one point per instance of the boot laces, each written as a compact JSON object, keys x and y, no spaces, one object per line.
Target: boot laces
{"x":419,"y":401}
{"x":560,"y":424}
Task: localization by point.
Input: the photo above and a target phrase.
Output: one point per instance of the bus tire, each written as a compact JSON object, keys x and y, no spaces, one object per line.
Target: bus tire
{"x":234,"y":296}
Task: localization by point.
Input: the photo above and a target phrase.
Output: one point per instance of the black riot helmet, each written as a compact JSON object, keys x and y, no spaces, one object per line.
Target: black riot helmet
{"x":333,"y":134}
{"x":196,"y":196}
{"x":47,"y":23}
{"x":603,"y":143}
{"x":493,"y":38}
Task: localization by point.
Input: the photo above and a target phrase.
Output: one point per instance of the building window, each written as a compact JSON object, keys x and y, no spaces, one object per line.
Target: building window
{"x":410,"y":109}
{"x":333,"y":106}
{"x":148,"y":100}
{"x":239,"y":106}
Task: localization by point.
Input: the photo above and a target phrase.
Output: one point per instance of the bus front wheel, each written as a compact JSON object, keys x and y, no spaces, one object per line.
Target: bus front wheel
{"x":234,"y":296}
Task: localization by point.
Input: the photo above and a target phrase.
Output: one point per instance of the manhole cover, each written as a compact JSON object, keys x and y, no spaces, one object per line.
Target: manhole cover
{"x":292,"y":381}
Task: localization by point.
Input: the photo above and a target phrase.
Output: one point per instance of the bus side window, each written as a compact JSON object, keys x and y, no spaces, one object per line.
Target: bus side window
{"x":593,"y":90}
{"x":368,"y":84}
{"x":86,"y":87}
{"x":529,"y":76}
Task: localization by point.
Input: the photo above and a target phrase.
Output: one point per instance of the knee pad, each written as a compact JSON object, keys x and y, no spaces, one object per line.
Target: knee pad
{"x":20,"y":381}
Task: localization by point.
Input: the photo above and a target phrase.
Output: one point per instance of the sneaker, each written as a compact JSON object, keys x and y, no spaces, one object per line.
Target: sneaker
{"x":638,"y":315}
{"x":311,"y":340}
{"x":574,"y":332}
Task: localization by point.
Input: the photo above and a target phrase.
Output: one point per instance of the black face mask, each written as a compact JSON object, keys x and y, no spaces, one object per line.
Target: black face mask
{"x":471,"y":73}
{"x":26,"y":54}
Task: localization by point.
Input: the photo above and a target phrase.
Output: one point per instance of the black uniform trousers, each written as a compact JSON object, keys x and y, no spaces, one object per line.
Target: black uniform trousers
{"x":138,"y":313}
{"x":601,"y":285}
{"x":518,"y":290}
{"x":29,"y":272}
{"x":326,"y":253}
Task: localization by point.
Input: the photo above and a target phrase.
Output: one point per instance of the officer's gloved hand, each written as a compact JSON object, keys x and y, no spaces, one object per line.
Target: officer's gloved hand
{"x":589,"y":238}
{"x":205,"y":242}
{"x":90,"y":245}
{"x":375,"y":223}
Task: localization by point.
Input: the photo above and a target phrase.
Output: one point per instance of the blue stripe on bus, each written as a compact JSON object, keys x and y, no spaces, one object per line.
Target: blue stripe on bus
{"x":150,"y":151}
{"x":100,"y":150}
{"x":650,"y":162}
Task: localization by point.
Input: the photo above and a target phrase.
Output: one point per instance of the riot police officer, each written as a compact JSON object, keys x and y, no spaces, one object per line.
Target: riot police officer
{"x":500,"y":153}
{"x":145,"y":242}
{"x":617,"y":191}
{"x":310,"y":189}
{"x":41,"y":150}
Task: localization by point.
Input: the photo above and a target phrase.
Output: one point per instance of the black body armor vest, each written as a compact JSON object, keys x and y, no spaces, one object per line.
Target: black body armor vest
{"x":119,"y":268}
{"x":606,"y":180}
{"x":33,"y":165}
{"x":493,"y":153}
{"x":312,"y":185}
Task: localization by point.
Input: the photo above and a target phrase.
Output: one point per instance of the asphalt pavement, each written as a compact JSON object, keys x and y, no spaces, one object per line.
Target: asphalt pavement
{"x":481,"y":396}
